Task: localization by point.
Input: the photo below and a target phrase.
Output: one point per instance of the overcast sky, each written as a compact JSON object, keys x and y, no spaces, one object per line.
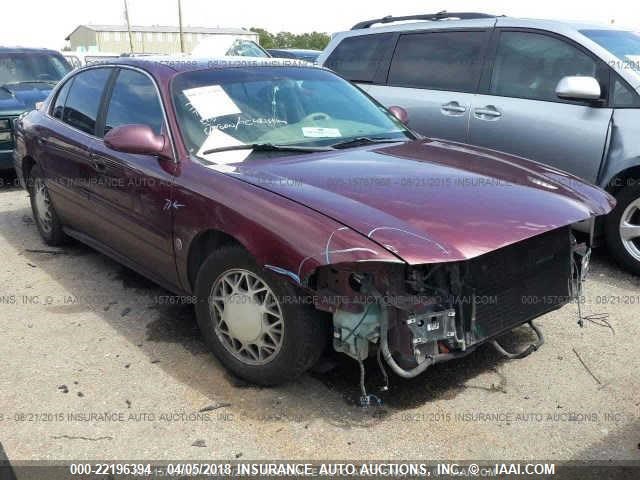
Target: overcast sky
{"x":48,"y":22}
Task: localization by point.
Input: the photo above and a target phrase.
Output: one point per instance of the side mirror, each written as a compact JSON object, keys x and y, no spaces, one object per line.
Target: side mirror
{"x":400,"y":113}
{"x":138,"y":139}
{"x":578,"y":88}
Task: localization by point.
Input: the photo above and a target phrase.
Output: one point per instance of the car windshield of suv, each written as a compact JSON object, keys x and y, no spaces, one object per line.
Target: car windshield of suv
{"x":623,"y":44}
{"x":31,"y":67}
{"x":294,"y":107}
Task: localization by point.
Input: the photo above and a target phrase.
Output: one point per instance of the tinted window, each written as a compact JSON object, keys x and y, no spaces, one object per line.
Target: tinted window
{"x":529,"y":65}
{"x":83,"y":101}
{"x":623,"y":96}
{"x":358,"y":58}
{"x":438,"y":61}
{"x":58,"y":106}
{"x":134,"y":101}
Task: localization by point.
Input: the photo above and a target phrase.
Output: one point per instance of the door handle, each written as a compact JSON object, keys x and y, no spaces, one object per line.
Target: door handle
{"x":487,"y":113}
{"x":453,"y":108}
{"x":42,"y":141}
{"x":97,"y":164}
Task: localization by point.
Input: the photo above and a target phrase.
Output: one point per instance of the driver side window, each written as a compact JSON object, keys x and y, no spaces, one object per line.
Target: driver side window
{"x":530,"y":65}
{"x":134,"y":100}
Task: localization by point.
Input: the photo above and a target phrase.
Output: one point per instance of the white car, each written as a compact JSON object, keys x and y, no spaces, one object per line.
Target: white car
{"x":228,"y":46}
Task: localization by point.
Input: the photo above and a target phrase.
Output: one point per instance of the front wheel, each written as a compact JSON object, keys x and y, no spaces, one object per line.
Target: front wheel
{"x":623,"y":229}
{"x":258,"y":325}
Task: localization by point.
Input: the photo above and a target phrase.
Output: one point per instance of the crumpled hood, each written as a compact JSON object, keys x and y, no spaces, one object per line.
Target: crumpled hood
{"x":15,"y":99}
{"x":430,"y":201}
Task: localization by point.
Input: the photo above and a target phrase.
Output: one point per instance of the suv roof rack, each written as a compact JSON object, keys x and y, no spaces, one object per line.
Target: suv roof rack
{"x":443,"y":15}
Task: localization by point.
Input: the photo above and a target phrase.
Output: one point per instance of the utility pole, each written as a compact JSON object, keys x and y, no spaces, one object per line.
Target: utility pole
{"x":126,"y":16}
{"x":180,"y":26}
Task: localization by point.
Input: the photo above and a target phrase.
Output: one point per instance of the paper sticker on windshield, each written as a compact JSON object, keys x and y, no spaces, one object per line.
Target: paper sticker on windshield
{"x":218,"y":139}
{"x":211,"y":101}
{"x":321,"y":132}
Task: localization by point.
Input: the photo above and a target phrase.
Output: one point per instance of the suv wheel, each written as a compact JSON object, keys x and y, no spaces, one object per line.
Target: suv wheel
{"x":250,"y":323}
{"x":44,"y":214}
{"x":623,"y":229}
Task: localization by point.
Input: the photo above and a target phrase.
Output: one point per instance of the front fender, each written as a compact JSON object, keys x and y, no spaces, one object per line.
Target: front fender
{"x":624,"y":149}
{"x":282,"y":235}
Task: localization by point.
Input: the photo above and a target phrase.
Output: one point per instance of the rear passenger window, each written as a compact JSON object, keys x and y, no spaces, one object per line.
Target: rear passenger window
{"x":134,"y":100}
{"x":83,"y":102}
{"x":530,"y":65}
{"x":61,"y":98}
{"x":357,"y":58}
{"x":438,"y":61}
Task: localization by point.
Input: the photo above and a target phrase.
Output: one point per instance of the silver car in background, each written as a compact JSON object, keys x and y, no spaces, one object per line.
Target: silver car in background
{"x":566,"y":95}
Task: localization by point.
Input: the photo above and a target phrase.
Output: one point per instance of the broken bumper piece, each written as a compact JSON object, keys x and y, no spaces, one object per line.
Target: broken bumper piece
{"x":417,"y":316}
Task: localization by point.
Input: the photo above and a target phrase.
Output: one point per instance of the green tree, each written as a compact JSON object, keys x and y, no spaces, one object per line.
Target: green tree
{"x":310,"y":40}
{"x":266,"y":39}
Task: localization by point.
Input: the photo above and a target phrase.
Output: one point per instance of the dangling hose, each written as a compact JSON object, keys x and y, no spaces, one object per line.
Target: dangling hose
{"x":527,"y":351}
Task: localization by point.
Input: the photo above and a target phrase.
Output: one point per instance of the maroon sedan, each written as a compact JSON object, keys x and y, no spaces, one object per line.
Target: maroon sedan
{"x":297,"y":211}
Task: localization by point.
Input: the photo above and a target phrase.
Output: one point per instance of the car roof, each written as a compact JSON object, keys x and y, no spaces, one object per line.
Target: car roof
{"x":299,"y":50}
{"x":186,"y":63}
{"x":483,"y":22}
{"x":27,"y":50}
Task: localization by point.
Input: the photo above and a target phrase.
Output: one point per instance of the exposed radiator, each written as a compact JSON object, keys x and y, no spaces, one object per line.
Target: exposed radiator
{"x":517,"y":283}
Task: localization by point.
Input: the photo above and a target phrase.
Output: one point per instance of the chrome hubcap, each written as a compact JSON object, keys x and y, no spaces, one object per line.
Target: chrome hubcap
{"x":630,"y":229}
{"x":43,"y":206}
{"x":247,"y":316}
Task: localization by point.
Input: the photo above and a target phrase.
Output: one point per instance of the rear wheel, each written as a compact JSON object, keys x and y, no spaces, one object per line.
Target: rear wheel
{"x":251,"y":323}
{"x":44,"y":214}
{"x":623,"y":229}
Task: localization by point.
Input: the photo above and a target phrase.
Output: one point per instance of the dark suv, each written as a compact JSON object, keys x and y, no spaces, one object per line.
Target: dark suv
{"x":26,"y":77}
{"x":564,"y":94}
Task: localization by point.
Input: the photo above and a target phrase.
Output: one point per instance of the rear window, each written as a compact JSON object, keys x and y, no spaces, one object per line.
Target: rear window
{"x":358,"y":58}
{"x":439,"y":60}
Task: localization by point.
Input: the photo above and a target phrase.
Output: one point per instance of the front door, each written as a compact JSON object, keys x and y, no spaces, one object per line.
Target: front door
{"x":132,"y":194}
{"x":521,"y":114}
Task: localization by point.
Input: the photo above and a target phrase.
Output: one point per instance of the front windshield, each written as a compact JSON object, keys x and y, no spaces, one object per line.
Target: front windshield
{"x":623,"y":44}
{"x":293,"y":106}
{"x":31,"y":67}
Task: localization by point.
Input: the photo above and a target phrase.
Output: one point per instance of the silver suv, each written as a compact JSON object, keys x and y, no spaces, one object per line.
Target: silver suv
{"x":563,"y":94}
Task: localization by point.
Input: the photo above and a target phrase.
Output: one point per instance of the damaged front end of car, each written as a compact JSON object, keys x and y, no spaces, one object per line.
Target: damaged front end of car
{"x":414,"y":316}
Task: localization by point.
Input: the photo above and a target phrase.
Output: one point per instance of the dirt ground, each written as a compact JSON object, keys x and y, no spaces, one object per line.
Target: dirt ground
{"x":95,"y":365}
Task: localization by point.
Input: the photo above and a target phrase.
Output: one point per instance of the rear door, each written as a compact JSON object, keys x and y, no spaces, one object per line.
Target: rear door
{"x":434,"y":75}
{"x":518,"y":111}
{"x":131,"y":197}
{"x":363,"y":59}
{"x":66,"y":143}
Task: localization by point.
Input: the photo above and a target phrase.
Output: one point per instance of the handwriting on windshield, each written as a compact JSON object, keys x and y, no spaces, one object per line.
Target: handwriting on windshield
{"x":244,"y":122}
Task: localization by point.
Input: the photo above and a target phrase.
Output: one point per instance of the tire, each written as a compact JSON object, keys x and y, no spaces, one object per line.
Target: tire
{"x":303,"y":334}
{"x":47,"y":222}
{"x":626,"y":252}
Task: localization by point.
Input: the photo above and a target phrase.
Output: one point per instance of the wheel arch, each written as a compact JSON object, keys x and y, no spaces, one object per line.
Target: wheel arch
{"x":27,"y":164}
{"x":202,"y":245}
{"x":622,"y":179}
